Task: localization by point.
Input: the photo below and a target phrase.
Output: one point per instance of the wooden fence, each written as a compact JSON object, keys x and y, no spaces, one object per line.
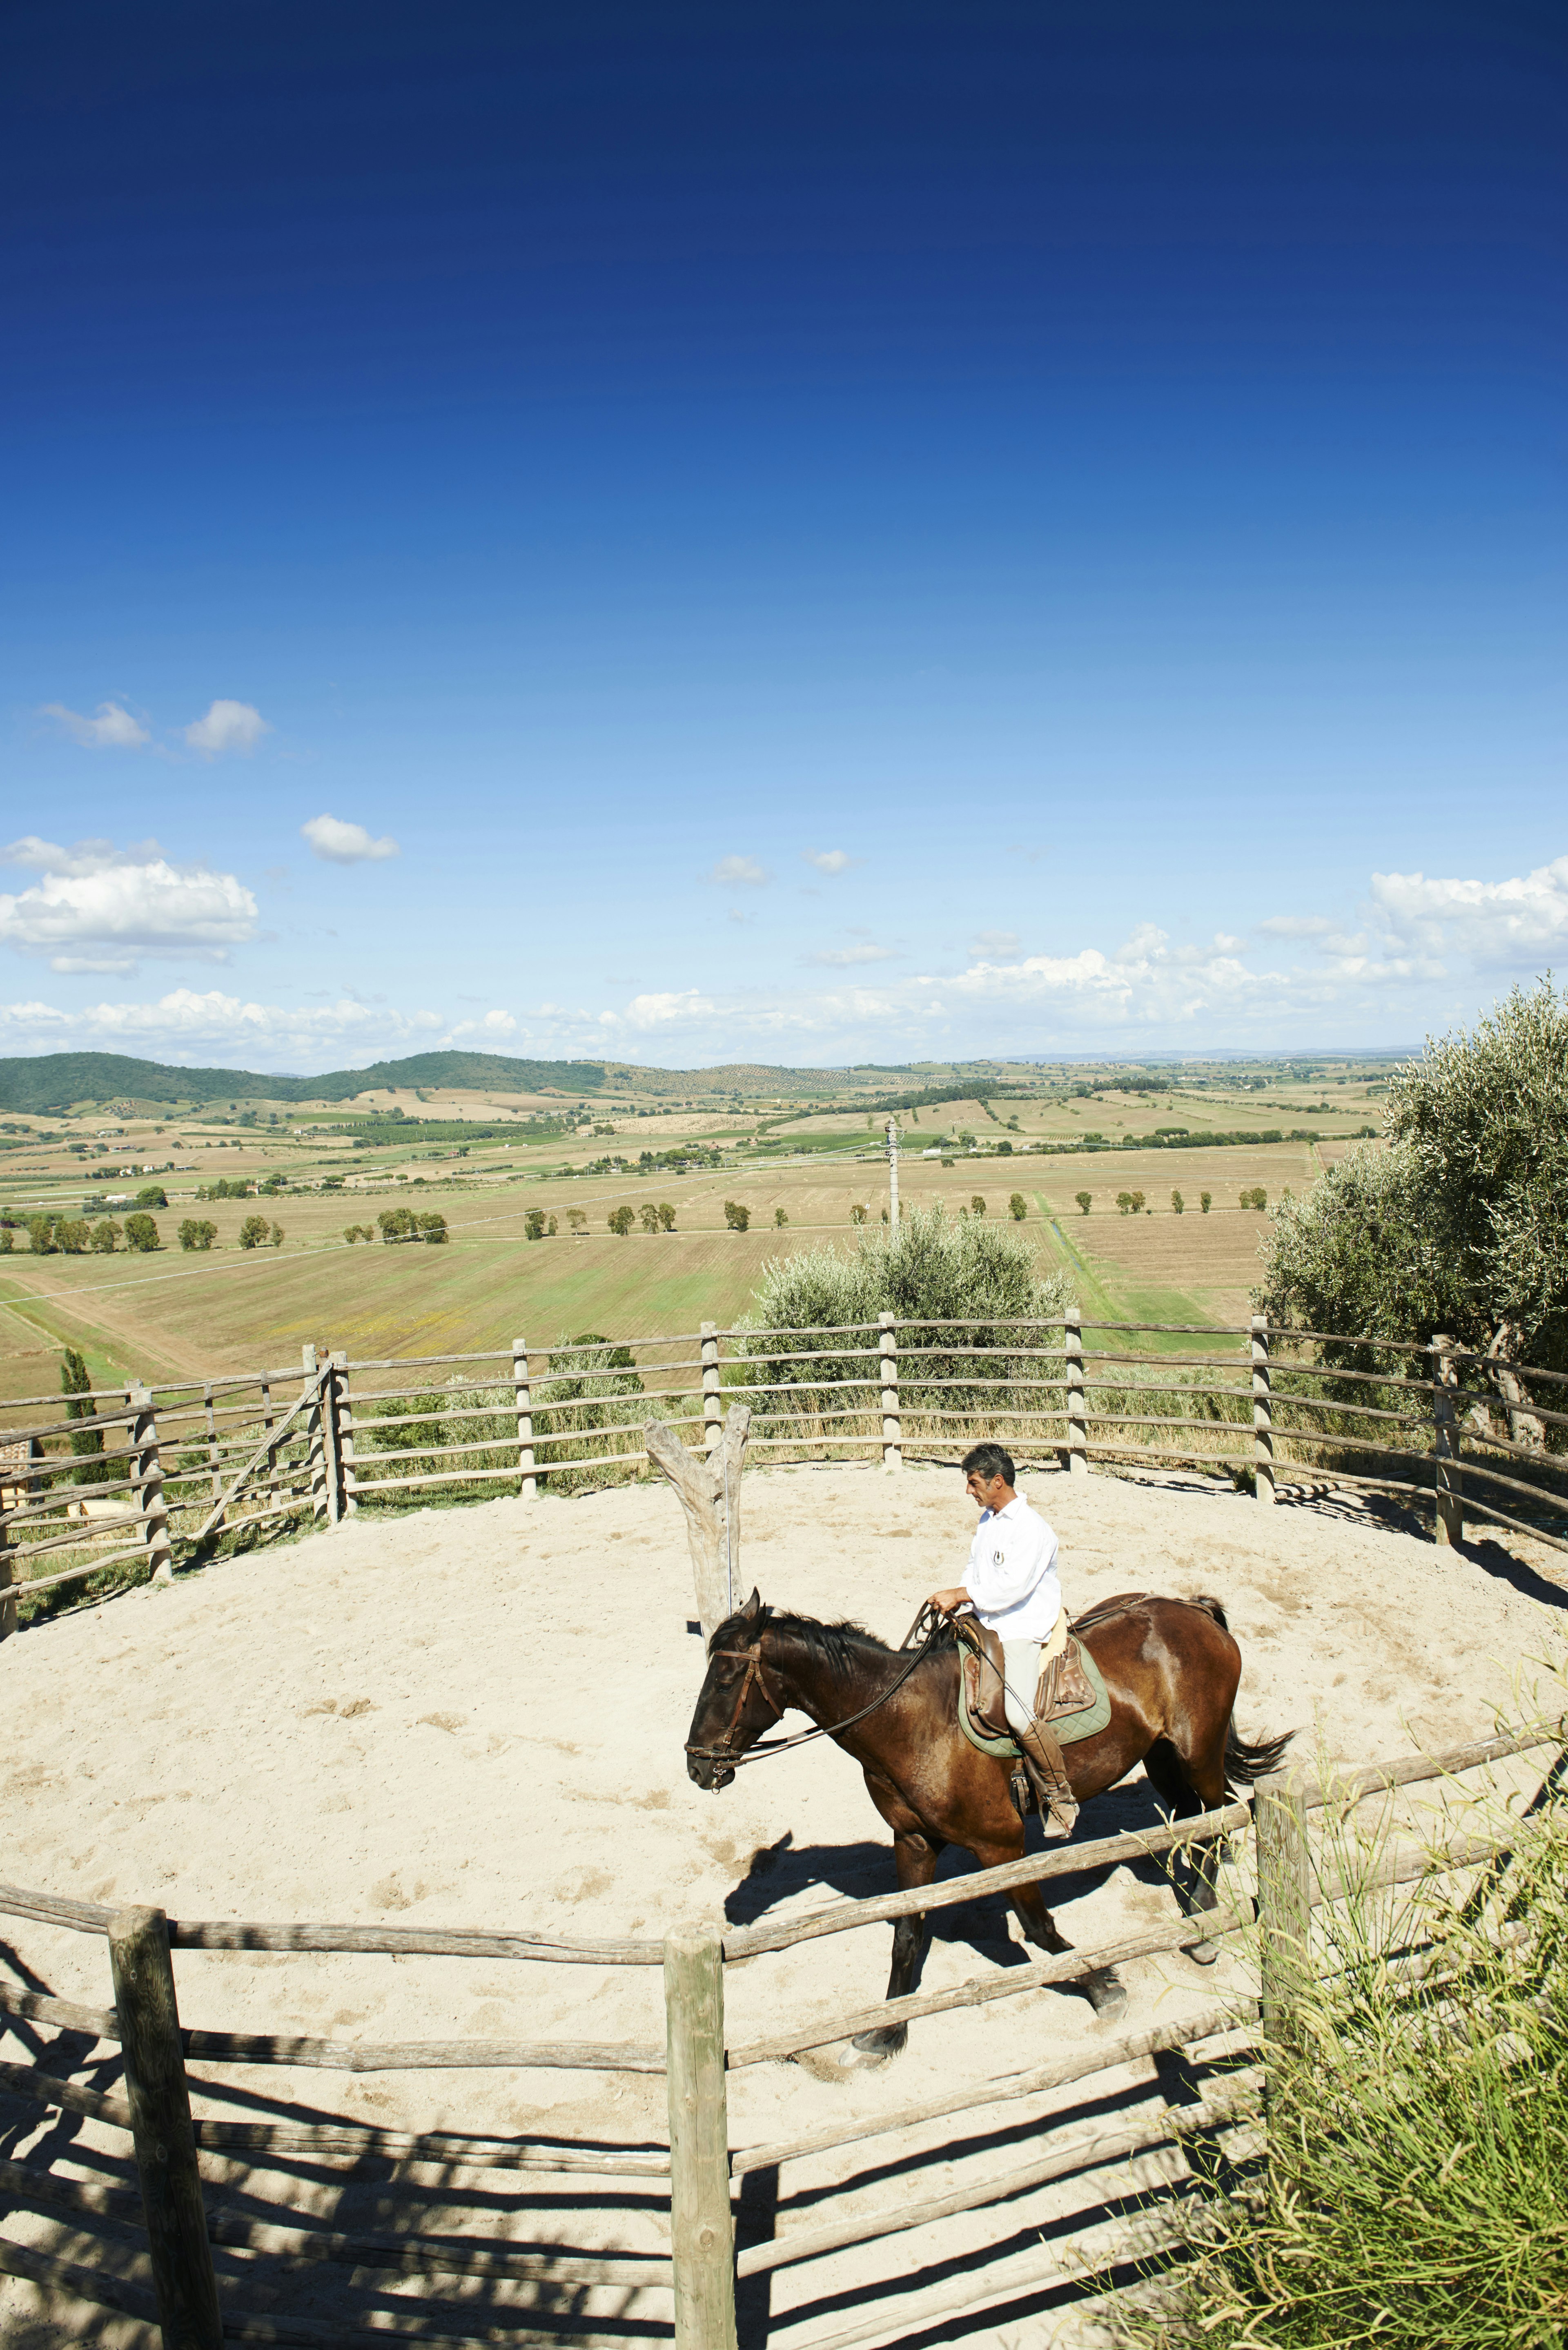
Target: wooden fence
{"x":161,"y":1475}
{"x":180,"y":2208}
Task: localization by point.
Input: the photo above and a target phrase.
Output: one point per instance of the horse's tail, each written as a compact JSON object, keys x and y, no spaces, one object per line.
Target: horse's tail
{"x":1246,"y":1764}
{"x":1210,"y":1607}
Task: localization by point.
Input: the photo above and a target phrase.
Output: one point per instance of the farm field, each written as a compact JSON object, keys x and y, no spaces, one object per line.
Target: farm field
{"x":173,"y":1315}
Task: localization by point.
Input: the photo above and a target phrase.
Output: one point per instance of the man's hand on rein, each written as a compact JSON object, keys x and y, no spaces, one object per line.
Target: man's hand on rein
{"x":950,"y":1599}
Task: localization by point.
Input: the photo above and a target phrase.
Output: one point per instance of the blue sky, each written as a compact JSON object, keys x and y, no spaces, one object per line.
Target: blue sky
{"x":806,"y":534}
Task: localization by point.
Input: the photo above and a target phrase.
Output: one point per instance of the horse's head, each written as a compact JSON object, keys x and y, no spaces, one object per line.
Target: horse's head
{"x":738,"y":1699}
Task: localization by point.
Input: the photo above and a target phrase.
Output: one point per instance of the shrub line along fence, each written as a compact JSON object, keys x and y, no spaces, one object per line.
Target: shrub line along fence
{"x":181,"y":2219}
{"x":173,"y":1469}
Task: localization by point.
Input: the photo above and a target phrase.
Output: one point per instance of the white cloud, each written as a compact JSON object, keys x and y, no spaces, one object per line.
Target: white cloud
{"x":227,"y":726}
{"x":1295,"y":926}
{"x":667,"y":1010}
{"x":95,"y":911}
{"x":994,"y":944}
{"x":729,"y":870}
{"x":38,"y":855}
{"x":346,"y":844}
{"x":1513,"y":925}
{"x":830,"y":860}
{"x":497,"y":1029}
{"x":113,"y":729}
{"x":844,"y":956}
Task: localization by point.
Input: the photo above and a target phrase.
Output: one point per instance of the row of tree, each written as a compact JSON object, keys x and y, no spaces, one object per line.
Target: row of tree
{"x":198,"y":1233}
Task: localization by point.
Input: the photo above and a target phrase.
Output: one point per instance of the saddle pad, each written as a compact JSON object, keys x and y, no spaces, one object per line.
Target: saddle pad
{"x":1068,"y":1728}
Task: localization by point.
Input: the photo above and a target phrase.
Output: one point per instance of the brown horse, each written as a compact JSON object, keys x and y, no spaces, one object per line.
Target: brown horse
{"x":1171,"y":1669}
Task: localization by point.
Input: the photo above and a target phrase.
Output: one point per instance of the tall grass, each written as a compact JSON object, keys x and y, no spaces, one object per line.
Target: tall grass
{"x":1413,"y":2192}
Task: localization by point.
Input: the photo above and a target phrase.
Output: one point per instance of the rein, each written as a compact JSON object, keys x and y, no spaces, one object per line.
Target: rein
{"x":756,"y":1675}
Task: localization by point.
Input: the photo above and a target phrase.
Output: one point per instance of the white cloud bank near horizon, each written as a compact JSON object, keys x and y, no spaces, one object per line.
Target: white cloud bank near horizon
{"x":1424,"y":951}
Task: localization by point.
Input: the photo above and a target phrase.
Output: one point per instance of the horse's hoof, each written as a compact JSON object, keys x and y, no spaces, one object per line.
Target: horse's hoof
{"x":1105,"y":1994}
{"x":1203,"y":1954}
{"x":887,"y":2041}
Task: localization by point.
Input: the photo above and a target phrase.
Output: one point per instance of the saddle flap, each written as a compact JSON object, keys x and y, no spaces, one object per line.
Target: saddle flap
{"x":984,"y":1687}
{"x":1064,"y":1685}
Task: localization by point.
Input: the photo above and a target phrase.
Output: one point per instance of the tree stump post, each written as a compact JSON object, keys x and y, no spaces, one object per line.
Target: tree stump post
{"x":343,"y":1423}
{"x":528,"y":1484}
{"x":1448,"y":1526}
{"x":712,"y":1407}
{"x":1078,"y":1420}
{"x":147,"y":1468}
{"x":710,"y":1489}
{"x":702,"y":2231}
{"x":1285,"y":1906}
{"x":1263,"y":1411}
{"x":892,"y":1429}
{"x":165,"y":2143}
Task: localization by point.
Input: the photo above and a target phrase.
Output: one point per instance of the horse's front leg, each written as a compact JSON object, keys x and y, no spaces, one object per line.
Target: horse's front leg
{"x":916,"y":1853}
{"x":1104,"y":1988}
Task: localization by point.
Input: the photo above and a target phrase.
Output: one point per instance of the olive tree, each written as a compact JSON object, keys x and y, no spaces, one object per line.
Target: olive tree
{"x":1459,"y":1223}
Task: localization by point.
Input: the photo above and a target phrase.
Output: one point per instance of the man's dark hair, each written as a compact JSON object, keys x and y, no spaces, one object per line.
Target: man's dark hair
{"x":991,"y":1461}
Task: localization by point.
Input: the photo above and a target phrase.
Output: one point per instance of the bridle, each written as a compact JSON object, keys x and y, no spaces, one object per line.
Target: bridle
{"x":929,"y":1621}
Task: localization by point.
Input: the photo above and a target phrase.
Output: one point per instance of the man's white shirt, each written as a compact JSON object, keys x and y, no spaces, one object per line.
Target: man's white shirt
{"x":1012,"y":1576}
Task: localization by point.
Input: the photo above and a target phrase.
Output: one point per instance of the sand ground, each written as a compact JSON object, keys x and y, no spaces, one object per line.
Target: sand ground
{"x":475,"y":1718}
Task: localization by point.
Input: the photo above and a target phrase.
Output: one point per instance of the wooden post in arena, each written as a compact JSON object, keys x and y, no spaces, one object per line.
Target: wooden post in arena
{"x":165,"y":2143}
{"x":315,"y":1436}
{"x":1078,"y":1423}
{"x":522,"y":1398}
{"x":892,"y":1431}
{"x":1263,"y":1411}
{"x":701,"y":2232}
{"x":711,"y":1406}
{"x":7,"y":1582}
{"x":343,"y":1423}
{"x":1448,"y":1528}
{"x":710,"y":1491}
{"x":147,"y":1469}
{"x":1284,"y":1905}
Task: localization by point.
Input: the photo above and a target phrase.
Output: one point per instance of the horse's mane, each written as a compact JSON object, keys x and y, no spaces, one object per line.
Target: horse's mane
{"x":841,"y":1646}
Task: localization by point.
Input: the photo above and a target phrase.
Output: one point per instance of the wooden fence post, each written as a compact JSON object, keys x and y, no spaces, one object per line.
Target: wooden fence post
{"x":321,"y":1498}
{"x":343,"y":1425}
{"x":265,"y":1385}
{"x":155,"y":2084}
{"x":892,"y":1431}
{"x":1449,"y":1527}
{"x":1078,"y":1420}
{"x":1263,"y":1411}
{"x":712,"y":1414}
{"x":147,"y":1469}
{"x":7,"y":1586}
{"x":214,"y":1463}
{"x":1284,"y":1905}
{"x":529,"y":1486}
{"x":701,"y":2232}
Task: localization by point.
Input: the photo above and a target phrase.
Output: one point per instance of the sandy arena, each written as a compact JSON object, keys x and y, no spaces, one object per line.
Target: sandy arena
{"x":474,"y":1717}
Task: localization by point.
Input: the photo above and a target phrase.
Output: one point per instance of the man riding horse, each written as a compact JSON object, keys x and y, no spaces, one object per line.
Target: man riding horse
{"x":1014,"y":1589}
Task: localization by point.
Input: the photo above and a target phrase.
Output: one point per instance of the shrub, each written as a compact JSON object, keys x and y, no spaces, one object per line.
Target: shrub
{"x":275,"y":1236}
{"x":1178,"y":1204}
{"x":197,"y":1234}
{"x":779,"y":1220}
{"x":1085,"y":1201}
{"x":736,"y":1215}
{"x":666,"y":1217}
{"x":1137,"y":1203}
{"x":396,"y":1225}
{"x":1017,"y":1207}
{"x":551,"y":1227}
{"x":142,"y":1234}
{"x":977,"y":1205}
{"x":1124,"y":1203}
{"x":534,"y":1223}
{"x":252,"y":1232}
{"x":432,"y":1229}
{"x":152,"y":1195}
{"x":858,"y":1213}
{"x":1206,"y":1201}
{"x":86,"y":1443}
{"x":620,"y":1220}
{"x":1256,"y":1198}
{"x":104,"y":1236}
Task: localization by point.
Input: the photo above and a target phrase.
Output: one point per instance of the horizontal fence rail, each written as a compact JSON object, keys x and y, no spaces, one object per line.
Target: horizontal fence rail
{"x":146,"y":1479}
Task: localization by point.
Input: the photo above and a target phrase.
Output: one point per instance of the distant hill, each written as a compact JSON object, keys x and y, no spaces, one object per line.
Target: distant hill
{"x":55,"y":1080}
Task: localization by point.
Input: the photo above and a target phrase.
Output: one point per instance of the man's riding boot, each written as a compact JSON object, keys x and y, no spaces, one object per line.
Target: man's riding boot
{"x":1042,"y":1753}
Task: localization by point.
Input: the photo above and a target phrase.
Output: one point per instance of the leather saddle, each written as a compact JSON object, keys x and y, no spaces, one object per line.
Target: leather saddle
{"x":1064,"y":1686}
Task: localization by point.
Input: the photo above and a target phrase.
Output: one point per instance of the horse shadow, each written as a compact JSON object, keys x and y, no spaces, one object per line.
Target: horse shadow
{"x":781,"y":1872}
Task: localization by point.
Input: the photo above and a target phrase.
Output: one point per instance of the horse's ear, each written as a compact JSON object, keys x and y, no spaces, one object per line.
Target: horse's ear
{"x":753,"y":1607}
